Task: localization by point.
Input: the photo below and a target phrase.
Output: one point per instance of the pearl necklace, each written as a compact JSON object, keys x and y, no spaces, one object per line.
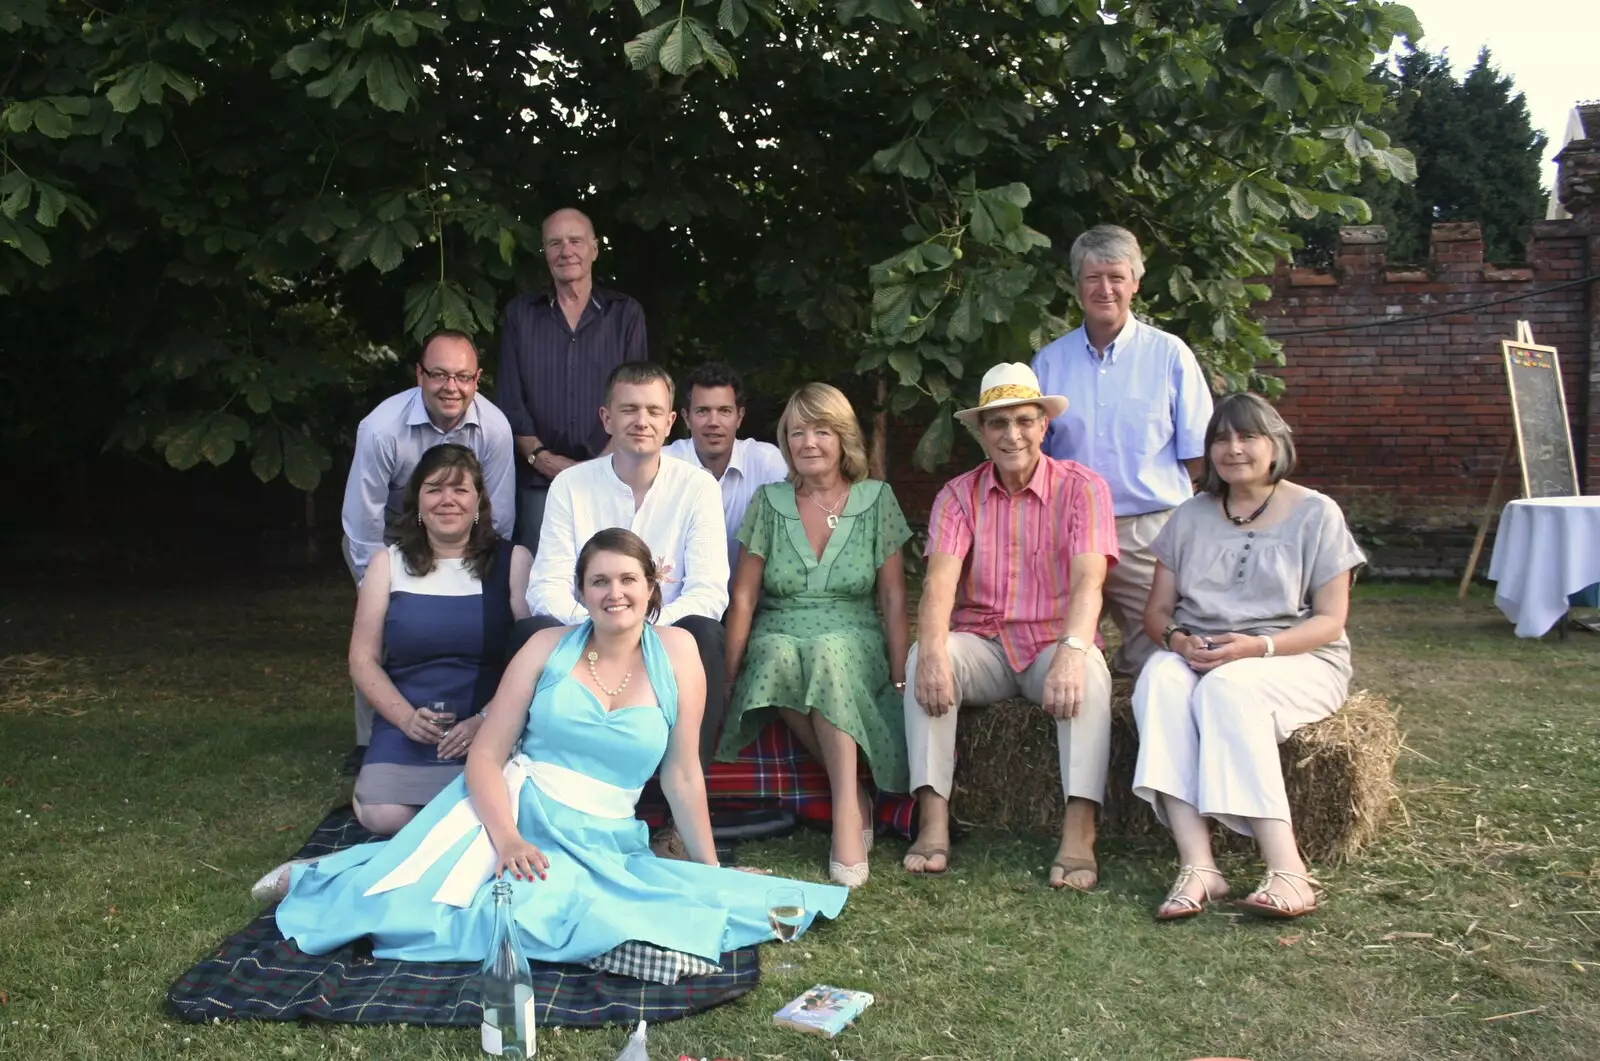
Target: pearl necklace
{"x":592,"y":657}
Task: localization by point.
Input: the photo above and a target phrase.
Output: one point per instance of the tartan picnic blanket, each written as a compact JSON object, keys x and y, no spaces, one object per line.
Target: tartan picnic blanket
{"x":776,"y":769}
{"x":255,"y":974}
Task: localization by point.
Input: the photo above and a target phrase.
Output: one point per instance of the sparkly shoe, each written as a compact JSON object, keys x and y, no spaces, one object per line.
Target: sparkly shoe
{"x":274,"y":884}
{"x":850,"y":876}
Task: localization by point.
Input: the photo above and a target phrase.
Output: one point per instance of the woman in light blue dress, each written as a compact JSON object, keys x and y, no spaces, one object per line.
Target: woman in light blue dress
{"x":610,"y":701}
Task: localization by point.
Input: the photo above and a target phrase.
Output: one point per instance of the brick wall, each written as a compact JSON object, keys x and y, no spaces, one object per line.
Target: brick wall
{"x":1405,"y":424}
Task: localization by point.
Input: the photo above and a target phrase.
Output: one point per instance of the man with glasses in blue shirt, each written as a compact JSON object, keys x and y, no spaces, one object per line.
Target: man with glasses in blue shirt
{"x":444,"y":406}
{"x":1137,"y":414}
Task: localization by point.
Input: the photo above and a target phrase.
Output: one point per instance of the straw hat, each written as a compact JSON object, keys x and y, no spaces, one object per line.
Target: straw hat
{"x":1013,"y":384}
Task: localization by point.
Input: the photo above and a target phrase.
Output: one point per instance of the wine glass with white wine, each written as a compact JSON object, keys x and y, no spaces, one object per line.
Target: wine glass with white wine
{"x":786,"y":913}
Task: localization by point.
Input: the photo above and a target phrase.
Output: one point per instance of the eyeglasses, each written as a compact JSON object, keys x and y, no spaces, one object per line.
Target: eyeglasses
{"x":1000,"y":425}
{"x":462,"y":379}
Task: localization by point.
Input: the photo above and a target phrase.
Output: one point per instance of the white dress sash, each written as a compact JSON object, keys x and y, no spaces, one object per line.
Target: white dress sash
{"x":477,"y":864}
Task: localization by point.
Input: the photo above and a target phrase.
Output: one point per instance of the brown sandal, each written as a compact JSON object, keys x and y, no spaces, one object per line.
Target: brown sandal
{"x":1069,"y":866}
{"x":927,"y":854}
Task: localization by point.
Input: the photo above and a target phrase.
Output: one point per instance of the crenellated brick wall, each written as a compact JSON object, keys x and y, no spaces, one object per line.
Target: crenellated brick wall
{"x":1405,"y":422}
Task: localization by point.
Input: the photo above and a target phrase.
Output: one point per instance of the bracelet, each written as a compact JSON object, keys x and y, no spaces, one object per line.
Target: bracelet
{"x":1272,"y":649}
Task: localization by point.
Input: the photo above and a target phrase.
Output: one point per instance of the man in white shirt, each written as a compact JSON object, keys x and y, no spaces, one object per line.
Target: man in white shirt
{"x":713,"y":408}
{"x":674,"y":507}
{"x":444,"y":406}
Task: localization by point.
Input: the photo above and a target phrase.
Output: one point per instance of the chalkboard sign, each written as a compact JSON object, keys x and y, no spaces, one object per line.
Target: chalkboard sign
{"x":1539,"y":410}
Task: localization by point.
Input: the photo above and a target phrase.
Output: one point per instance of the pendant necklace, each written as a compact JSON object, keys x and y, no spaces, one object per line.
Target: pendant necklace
{"x":833,"y":519}
{"x":1239,"y":521}
{"x":592,"y":656}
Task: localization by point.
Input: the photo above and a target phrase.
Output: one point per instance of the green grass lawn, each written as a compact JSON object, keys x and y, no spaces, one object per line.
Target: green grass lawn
{"x":161,"y":749}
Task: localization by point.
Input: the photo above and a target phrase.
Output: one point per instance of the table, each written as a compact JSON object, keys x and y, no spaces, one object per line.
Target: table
{"x":1546,"y":549}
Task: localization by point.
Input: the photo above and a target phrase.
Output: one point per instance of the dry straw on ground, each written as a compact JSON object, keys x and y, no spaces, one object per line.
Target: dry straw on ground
{"x":38,"y":683}
{"x":1339,"y":773}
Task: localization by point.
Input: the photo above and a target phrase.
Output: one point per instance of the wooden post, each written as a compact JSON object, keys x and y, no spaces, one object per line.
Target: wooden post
{"x":878,"y":450}
{"x":311,"y":528}
{"x":1483,"y":526}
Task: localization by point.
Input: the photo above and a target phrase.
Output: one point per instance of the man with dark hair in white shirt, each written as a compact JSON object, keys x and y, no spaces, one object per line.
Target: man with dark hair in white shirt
{"x":444,"y":406}
{"x":675,"y":507}
{"x":713,"y":408}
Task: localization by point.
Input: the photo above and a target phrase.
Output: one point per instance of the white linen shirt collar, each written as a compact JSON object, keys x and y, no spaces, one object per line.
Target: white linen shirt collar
{"x":680,"y":520}
{"x":752,"y":465}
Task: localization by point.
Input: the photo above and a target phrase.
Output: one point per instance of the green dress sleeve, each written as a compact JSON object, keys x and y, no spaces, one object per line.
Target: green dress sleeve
{"x":893,"y":531}
{"x":756,"y":530}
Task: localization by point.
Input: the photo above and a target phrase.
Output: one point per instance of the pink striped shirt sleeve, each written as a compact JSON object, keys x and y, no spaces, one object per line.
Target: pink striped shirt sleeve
{"x":950,"y":525}
{"x":1094,"y":523}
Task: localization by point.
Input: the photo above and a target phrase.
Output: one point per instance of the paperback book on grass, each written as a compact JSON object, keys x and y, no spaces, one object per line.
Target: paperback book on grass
{"x":823,"y":1010}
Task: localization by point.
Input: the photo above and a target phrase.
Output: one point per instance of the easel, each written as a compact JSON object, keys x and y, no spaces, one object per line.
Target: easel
{"x":1524,"y":335}
{"x":1489,"y":511}
{"x":1545,"y":458}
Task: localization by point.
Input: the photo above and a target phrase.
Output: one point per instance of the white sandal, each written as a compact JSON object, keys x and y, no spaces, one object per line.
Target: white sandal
{"x":1267,"y":903}
{"x":1188,"y":907}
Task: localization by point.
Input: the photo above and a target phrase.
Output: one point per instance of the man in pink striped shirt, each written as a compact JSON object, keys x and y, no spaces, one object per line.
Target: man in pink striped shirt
{"x":1018,"y":550}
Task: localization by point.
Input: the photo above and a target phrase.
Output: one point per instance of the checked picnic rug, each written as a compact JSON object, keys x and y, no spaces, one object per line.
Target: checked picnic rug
{"x":255,"y":974}
{"x":776,"y":768}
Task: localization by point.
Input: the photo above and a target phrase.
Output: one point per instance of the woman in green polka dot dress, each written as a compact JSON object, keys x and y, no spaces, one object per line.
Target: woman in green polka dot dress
{"x":820,"y":560}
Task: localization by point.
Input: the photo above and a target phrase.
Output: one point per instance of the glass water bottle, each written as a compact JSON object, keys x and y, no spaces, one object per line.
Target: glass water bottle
{"x":506,"y":987}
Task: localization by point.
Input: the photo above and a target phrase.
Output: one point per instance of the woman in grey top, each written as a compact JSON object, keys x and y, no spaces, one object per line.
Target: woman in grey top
{"x":1249,"y":603}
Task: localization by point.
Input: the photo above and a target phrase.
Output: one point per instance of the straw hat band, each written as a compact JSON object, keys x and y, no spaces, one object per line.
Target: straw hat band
{"x":1008,"y":390}
{"x":1012,"y":384}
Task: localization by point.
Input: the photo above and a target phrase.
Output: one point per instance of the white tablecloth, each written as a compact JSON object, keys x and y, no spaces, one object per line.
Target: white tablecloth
{"x":1546,"y":549}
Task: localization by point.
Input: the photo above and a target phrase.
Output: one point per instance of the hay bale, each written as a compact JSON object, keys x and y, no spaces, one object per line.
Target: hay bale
{"x":1339,"y":773}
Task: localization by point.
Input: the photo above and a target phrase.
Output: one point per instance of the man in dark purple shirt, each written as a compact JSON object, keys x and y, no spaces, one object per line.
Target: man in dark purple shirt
{"x":557,"y":347}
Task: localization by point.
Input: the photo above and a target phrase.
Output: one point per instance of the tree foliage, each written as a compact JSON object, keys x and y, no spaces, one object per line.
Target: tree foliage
{"x":219,"y":221}
{"x":1477,"y":155}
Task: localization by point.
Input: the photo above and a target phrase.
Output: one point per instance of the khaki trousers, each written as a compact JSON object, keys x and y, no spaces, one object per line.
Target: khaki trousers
{"x":984,"y":676}
{"x":1127,"y":587}
{"x":363,"y":710}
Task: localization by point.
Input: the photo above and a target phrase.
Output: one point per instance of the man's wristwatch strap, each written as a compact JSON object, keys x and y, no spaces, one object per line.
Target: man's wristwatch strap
{"x":535,"y":454}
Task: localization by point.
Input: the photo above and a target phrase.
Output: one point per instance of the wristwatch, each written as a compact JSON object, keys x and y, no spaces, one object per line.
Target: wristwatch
{"x":535,"y":454}
{"x":1173,"y":628}
{"x":1074,"y":641}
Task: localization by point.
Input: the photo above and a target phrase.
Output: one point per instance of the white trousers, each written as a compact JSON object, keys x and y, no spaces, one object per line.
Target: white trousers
{"x":1212,"y":740}
{"x":1127,"y":587}
{"x":984,"y":676}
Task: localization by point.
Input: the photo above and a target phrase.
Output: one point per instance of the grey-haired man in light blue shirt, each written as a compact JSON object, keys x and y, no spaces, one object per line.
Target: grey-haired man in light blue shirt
{"x":1137,"y":414}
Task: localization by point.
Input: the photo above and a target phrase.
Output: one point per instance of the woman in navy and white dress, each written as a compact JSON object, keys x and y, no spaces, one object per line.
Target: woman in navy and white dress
{"x":432,"y":620}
